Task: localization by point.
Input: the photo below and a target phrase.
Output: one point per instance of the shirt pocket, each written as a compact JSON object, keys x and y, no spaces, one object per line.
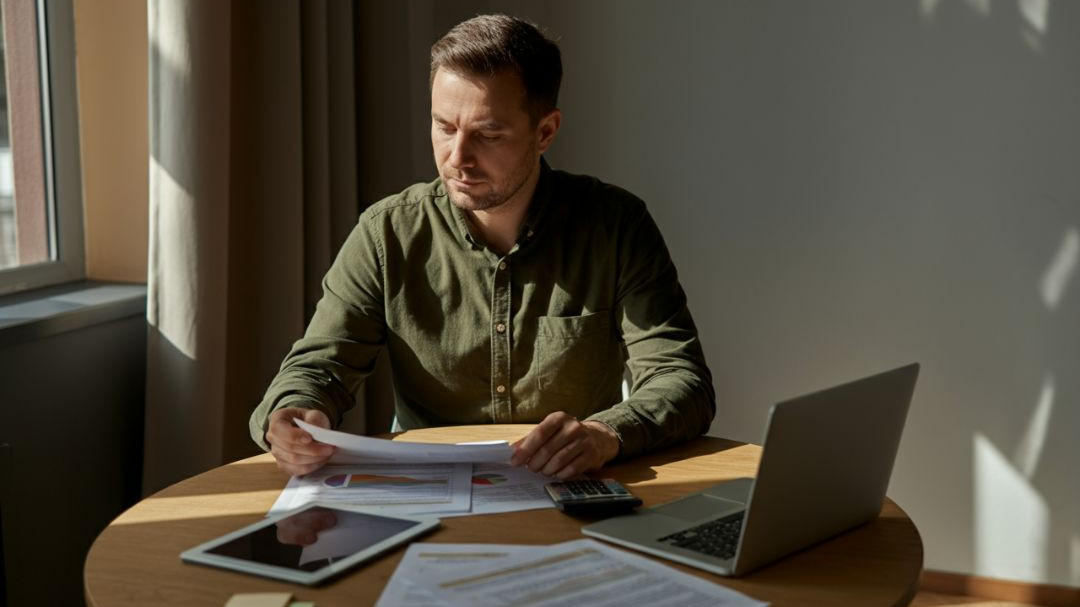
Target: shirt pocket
{"x":572,"y":353}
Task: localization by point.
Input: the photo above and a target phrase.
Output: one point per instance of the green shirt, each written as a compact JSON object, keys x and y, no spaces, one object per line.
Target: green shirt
{"x":476,"y":337}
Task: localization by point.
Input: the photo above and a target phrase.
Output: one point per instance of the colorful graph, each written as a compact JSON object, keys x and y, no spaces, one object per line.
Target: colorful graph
{"x":375,"y":480}
{"x":488,"y":479}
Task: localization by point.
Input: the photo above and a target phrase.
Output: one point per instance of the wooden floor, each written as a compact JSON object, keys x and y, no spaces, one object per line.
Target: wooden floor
{"x":929,"y":599}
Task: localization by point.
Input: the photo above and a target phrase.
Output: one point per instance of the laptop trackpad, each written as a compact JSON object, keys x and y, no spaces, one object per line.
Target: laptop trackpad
{"x":697,"y":507}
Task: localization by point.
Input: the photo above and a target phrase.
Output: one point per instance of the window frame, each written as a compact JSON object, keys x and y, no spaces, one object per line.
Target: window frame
{"x":62,"y":164}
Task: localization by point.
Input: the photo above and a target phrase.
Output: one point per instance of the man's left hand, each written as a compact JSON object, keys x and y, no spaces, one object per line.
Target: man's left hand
{"x":562,"y":447}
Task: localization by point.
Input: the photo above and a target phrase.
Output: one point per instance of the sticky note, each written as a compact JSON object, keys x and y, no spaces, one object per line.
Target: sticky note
{"x":260,"y":599}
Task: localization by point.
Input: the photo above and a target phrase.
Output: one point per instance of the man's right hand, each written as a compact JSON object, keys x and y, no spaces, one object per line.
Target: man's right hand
{"x":293,"y":448}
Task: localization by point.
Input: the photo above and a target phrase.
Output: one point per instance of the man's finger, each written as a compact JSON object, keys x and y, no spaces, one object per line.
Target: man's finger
{"x":568,"y":437}
{"x":560,"y":459}
{"x":578,"y":466}
{"x":296,"y":469}
{"x":284,"y":433}
{"x":292,"y":457}
{"x":311,"y":448}
{"x":317,"y":418}
{"x":532,"y":441}
{"x":539,"y":435}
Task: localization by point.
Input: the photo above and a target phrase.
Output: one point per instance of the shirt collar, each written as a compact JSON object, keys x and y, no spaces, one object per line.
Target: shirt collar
{"x":538,"y":207}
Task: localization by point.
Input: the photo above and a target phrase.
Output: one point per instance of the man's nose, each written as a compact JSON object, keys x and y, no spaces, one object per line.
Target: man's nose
{"x":460,"y":152}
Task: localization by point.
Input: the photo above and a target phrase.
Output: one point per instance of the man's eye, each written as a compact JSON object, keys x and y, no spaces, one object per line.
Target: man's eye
{"x":489,"y":136}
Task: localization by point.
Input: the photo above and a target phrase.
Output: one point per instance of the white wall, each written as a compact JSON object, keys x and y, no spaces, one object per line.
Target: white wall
{"x":849,"y":186}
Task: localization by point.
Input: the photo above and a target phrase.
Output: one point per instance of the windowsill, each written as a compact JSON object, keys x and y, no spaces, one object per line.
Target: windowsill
{"x":44,"y":312}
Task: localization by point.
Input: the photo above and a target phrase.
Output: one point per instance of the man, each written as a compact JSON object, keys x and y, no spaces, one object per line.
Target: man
{"x":504,"y":291}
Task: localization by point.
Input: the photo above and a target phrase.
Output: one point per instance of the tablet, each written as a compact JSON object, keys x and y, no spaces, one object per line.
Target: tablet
{"x":309,"y":544}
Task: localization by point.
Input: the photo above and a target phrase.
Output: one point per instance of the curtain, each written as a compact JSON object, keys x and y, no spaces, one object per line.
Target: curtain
{"x":253,"y":188}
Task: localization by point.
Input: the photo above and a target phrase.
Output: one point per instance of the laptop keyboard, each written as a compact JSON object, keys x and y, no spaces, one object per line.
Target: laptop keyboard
{"x":717,"y":538}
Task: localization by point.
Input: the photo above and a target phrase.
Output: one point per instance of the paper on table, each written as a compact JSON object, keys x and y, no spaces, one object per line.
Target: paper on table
{"x":421,"y":560}
{"x":504,"y":488}
{"x":390,"y":488}
{"x":356,"y":449}
{"x":493,"y":488}
{"x":579,"y":572}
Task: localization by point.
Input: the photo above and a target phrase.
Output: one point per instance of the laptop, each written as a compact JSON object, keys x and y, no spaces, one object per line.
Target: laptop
{"x":825,"y":465}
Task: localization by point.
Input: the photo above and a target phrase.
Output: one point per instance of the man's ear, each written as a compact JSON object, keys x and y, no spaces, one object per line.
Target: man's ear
{"x":547,"y":128}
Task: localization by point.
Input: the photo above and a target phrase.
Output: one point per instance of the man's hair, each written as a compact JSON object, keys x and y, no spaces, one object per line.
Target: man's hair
{"x":489,"y":44}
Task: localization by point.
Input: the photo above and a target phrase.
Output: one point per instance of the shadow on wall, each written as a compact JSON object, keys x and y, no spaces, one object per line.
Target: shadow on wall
{"x":847,"y":187}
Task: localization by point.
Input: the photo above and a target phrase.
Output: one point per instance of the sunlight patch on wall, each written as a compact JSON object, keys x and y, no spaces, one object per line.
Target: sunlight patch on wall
{"x":1011,"y":519}
{"x":1074,"y":570}
{"x":1029,"y":451}
{"x":1061,"y":269}
{"x":928,"y":8}
{"x":1036,"y":13}
{"x":1034,"y":16}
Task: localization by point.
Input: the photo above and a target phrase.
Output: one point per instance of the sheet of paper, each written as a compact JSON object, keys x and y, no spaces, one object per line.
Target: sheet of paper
{"x":356,"y":449}
{"x":505,"y":488}
{"x":394,"y":489}
{"x":421,"y":560}
{"x":580,"y":572}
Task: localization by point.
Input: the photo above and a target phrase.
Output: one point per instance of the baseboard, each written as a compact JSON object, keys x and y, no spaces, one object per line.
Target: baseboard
{"x":1044,"y":595}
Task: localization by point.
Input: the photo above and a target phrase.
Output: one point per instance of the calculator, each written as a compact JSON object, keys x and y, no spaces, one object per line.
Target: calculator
{"x":588,"y":496}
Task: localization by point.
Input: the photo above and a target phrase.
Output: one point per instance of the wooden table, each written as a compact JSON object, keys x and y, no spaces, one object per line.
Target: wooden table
{"x":136,"y":562}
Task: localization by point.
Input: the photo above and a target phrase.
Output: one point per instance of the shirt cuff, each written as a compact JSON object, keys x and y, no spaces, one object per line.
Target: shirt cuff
{"x":626,"y":427}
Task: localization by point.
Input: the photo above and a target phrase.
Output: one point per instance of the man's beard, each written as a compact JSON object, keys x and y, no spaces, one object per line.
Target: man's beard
{"x":494,"y":198}
{"x":467,"y":202}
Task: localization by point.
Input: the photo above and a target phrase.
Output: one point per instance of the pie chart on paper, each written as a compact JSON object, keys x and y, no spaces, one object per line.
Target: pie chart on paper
{"x":488,"y":479}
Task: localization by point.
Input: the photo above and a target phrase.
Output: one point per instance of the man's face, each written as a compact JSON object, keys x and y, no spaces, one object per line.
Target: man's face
{"x":486,"y":145}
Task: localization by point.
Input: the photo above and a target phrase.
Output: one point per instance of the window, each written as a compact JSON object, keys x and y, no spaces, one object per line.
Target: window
{"x":41,"y":239}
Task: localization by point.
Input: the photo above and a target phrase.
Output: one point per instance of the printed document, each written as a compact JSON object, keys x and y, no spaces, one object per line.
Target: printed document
{"x":394,"y":489}
{"x":580,"y":572}
{"x":433,"y":489}
{"x":356,"y":449}
{"x":421,"y":560}
{"x":505,"y":488}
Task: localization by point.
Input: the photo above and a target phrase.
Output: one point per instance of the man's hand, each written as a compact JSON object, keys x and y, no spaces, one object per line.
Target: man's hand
{"x":294,"y":449}
{"x":563,"y":447}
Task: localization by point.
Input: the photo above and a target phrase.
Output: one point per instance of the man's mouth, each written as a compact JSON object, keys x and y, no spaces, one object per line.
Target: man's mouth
{"x":464,"y":183}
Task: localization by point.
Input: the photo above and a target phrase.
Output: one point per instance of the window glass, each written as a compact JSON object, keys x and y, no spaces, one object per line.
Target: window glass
{"x":40,"y":193}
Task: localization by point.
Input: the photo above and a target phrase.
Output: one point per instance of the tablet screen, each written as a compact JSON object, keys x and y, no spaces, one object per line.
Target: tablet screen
{"x":312,"y":538}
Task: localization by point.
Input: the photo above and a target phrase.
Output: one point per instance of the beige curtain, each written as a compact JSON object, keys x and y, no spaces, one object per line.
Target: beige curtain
{"x":252,"y":190}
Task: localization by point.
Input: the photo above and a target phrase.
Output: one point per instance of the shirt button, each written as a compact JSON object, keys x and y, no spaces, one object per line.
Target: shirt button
{"x":502,"y":265}
{"x":500,"y":388}
{"x":501,"y":328}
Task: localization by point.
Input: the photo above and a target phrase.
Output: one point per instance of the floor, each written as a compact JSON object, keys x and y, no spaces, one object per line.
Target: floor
{"x":928,"y":599}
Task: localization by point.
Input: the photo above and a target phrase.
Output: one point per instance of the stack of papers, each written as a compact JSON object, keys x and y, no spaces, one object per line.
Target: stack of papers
{"x":580,"y":572}
{"x":356,"y":449}
{"x":416,"y":478}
